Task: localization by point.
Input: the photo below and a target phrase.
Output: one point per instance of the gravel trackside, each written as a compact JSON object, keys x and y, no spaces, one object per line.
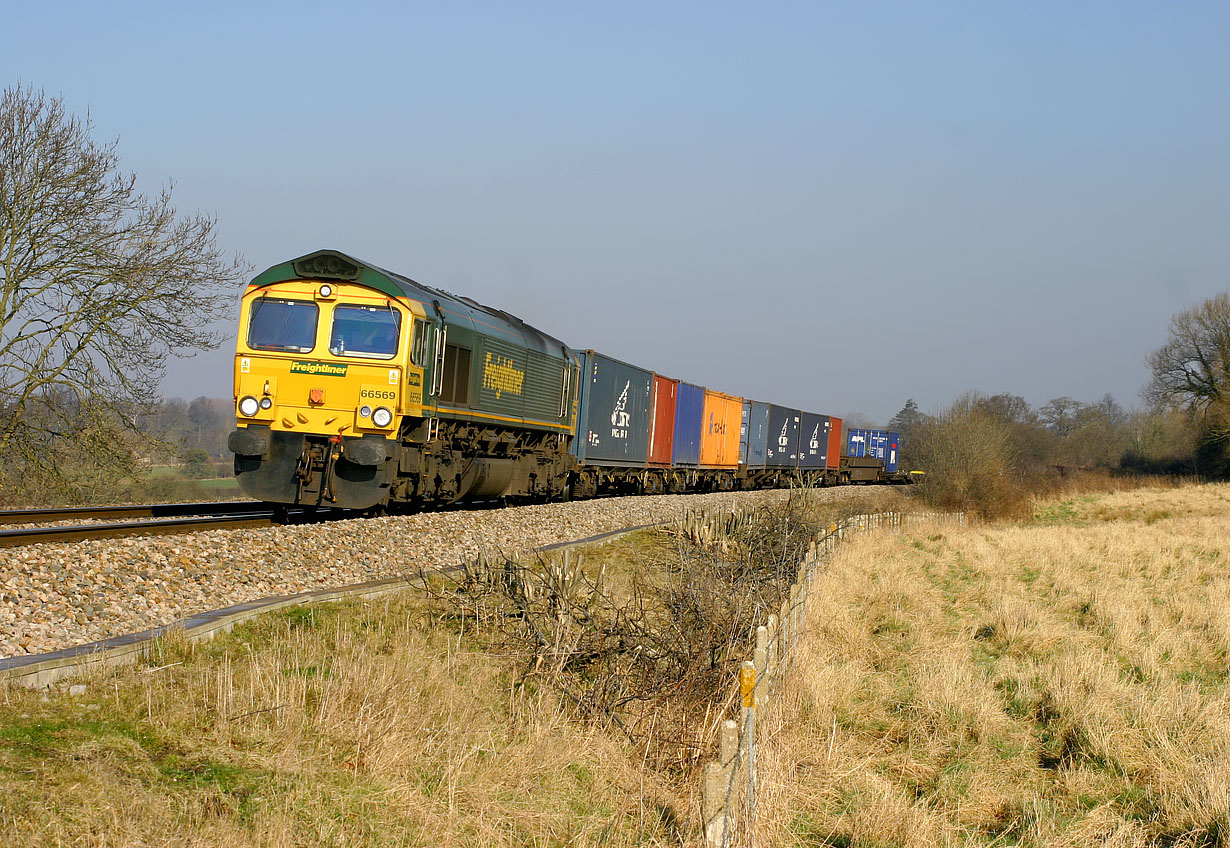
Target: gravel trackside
{"x":54,"y":596}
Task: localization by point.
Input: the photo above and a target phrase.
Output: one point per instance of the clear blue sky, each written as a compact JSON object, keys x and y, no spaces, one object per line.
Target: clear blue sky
{"x":831,"y":205}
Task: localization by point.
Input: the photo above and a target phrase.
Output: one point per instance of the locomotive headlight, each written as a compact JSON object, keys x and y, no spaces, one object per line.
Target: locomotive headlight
{"x":266,"y":402}
{"x":382,"y":417}
{"x":326,"y":290}
{"x":365,"y":411}
{"x":249,"y":406}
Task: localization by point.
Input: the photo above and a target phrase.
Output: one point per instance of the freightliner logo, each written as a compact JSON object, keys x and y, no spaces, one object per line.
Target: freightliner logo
{"x":320,"y":369}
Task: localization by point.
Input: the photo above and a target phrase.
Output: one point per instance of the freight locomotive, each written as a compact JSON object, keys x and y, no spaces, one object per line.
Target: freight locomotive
{"x":362,"y":389}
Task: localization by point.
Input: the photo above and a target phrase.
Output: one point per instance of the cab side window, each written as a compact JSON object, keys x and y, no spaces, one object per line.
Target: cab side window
{"x":418,"y":346}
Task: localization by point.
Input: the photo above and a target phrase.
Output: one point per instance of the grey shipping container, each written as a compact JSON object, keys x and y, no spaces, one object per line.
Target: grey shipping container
{"x":782,"y":447}
{"x":813,"y":440}
{"x":613,"y":417}
{"x":755,"y":433}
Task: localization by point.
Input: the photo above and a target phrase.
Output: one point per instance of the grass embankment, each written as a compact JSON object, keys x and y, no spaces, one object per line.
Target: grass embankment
{"x":352,"y":724}
{"x":1061,"y":681}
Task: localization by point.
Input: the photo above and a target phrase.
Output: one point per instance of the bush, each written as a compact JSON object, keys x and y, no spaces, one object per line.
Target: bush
{"x":972,"y":461}
{"x":655,"y":651}
{"x":196,"y":464}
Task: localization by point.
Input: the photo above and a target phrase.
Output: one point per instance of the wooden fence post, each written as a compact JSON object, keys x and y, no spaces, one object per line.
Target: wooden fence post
{"x":796,"y":621}
{"x":747,"y":686}
{"x":783,"y":617}
{"x":719,"y":787}
{"x":760,"y":661}
{"x":775,"y":651}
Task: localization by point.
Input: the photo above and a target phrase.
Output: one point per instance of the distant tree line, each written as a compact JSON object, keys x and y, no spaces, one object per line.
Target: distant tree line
{"x":201,"y":424}
{"x":990,"y":453}
{"x":1065,"y":434}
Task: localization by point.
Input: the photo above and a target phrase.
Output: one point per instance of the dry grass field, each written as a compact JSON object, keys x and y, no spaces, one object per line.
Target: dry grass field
{"x":1057,"y":682}
{"x":353,"y":724}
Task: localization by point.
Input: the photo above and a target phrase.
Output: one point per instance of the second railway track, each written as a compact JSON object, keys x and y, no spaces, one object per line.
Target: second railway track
{"x":166,"y":518}
{"x":160,"y":510}
{"x":157,"y":519}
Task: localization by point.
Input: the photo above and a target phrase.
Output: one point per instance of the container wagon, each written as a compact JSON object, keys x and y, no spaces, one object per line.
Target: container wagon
{"x":872,"y":456}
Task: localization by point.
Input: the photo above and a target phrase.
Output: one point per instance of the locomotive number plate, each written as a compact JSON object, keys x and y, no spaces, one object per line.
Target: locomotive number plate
{"x":378,"y":394}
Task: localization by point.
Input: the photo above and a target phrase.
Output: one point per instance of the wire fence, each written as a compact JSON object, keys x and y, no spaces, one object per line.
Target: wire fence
{"x":728,"y":797}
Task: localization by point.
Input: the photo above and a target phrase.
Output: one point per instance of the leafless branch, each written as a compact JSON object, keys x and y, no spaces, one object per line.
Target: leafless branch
{"x":99,"y":284}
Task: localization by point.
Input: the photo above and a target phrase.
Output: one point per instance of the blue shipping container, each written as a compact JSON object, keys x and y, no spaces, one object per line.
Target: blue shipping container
{"x":689,"y":420}
{"x":752,"y":441}
{"x":856,"y":442}
{"x":880,"y":444}
{"x":613,"y":415}
{"x":782,"y":448}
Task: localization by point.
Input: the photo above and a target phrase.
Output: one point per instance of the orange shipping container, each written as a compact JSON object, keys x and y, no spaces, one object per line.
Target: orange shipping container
{"x":719,"y":437}
{"x":836,"y":437}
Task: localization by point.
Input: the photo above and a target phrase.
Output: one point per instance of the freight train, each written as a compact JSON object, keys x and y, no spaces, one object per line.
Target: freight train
{"x":362,"y":389}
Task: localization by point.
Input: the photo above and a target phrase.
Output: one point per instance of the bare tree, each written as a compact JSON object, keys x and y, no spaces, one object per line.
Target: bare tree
{"x":99,"y":284}
{"x":1013,"y":409}
{"x":1060,"y":414}
{"x":1193,"y":368}
{"x":1192,"y":372}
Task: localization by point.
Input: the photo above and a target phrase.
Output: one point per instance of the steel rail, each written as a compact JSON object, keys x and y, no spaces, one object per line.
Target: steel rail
{"x":175,"y":518}
{"x":80,"y":532}
{"x":161,"y":510}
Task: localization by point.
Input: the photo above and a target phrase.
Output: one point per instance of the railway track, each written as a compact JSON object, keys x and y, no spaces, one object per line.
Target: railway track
{"x":166,"y":518}
{"x":162,"y":510}
{"x":124,"y":520}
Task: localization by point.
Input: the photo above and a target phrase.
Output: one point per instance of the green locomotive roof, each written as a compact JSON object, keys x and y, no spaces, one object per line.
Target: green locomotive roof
{"x":335,"y":265}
